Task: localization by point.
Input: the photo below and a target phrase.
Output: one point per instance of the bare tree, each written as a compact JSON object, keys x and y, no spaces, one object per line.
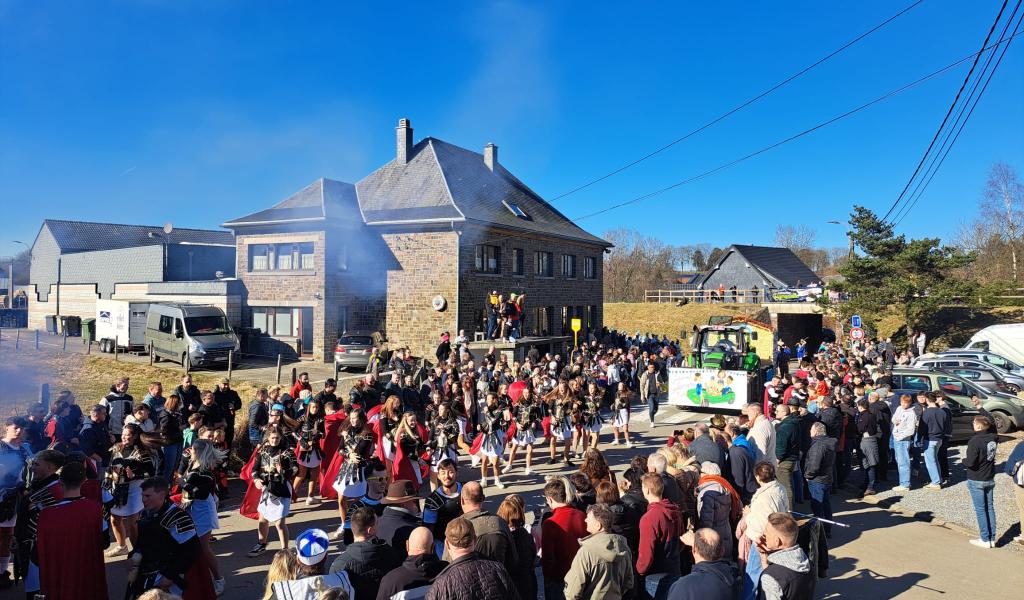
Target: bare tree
{"x":1003,"y":207}
{"x":798,"y":237}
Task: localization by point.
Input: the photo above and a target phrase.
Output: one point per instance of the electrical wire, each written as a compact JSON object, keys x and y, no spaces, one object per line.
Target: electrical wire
{"x":949,"y":112}
{"x":796,"y":136}
{"x":951,"y":138}
{"x":740,"y":106}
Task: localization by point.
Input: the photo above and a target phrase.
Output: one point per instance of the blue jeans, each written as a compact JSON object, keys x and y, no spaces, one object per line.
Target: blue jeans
{"x":931,"y":460}
{"x":983,"y":498}
{"x":652,"y":407}
{"x":903,"y":460}
{"x":172,"y":456}
{"x":798,"y":484}
{"x":752,"y":574}
{"x":821,"y":504}
{"x":656,"y":586}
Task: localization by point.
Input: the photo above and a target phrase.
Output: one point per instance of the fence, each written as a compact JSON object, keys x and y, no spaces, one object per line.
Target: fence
{"x":744,"y":296}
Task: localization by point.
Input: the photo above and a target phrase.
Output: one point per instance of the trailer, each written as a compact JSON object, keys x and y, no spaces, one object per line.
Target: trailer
{"x":121,"y":324}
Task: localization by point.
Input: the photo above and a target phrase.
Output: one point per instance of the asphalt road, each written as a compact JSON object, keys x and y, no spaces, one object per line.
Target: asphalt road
{"x":881,"y":555}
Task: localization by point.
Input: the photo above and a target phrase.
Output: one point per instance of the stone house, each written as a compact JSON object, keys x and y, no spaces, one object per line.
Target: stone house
{"x":413,"y":250}
{"x":757,"y":268}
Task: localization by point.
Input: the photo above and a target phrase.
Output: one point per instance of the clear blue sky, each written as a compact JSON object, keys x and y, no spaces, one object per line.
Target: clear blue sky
{"x":197,"y":112}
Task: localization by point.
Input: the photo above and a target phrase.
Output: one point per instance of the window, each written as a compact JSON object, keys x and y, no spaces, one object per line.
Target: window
{"x":282,"y":257}
{"x":515,"y":209}
{"x":305,"y":251}
{"x":276,"y":321}
{"x":517,"y":261}
{"x":569,"y":266}
{"x":953,"y":386}
{"x":566,"y":320}
{"x":166,"y":324}
{"x":343,"y":257}
{"x":590,"y":267}
{"x":544,"y":264}
{"x":259,"y":257}
{"x":540,"y":321}
{"x":488,"y":258}
{"x":916,"y":383}
{"x":592,"y":317}
{"x":968,"y":374}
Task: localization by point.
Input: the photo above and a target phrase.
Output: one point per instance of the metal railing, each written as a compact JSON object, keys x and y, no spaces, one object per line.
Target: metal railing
{"x":744,"y":296}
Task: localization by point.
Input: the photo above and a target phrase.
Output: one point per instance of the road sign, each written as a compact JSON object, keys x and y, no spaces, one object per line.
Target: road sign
{"x":577,"y":324}
{"x":855,"y":321}
{"x":856,"y":334}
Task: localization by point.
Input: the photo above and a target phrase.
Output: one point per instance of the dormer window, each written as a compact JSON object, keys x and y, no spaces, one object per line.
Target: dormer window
{"x":514,"y":209}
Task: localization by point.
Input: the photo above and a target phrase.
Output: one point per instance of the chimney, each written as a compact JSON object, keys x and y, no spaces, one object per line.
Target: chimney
{"x":491,"y":156}
{"x":404,"y":140}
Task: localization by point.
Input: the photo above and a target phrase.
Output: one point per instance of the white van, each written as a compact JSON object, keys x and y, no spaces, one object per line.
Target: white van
{"x":1005,"y":340}
{"x":192,"y":334}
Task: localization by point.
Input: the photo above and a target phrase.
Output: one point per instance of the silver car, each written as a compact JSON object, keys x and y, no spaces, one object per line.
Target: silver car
{"x":990,"y":357}
{"x":354,"y":348}
{"x":1014,"y":382}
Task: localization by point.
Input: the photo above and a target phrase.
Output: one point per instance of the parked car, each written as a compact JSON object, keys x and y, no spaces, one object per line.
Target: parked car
{"x":1014,"y":382}
{"x":194,"y":335}
{"x":354,"y":347}
{"x":1007,"y":410}
{"x":990,"y":357}
{"x":987,"y":380}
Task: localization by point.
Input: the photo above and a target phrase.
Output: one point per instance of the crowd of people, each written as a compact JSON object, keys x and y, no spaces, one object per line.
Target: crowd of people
{"x":708,"y":514}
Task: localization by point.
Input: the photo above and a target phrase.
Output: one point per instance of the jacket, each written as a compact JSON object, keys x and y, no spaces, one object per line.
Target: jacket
{"x":705,"y":449}
{"x":768,"y":498}
{"x":473,"y":577}
{"x":718,"y":580}
{"x":660,"y":528}
{"x":762,"y":440}
{"x":394,"y":527}
{"x":787,"y":438}
{"x":493,"y":538}
{"x":644,"y":384}
{"x":832,"y":419}
{"x":560,"y":539}
{"x":525,"y":575}
{"x":170,"y":428}
{"x":821,"y":458}
{"x":788,"y":575}
{"x":626,"y":522}
{"x":415,"y":572}
{"x":603,"y":568}
{"x":366,"y":564}
{"x":714,"y":505}
{"x":980,"y":458}
{"x":741,"y":468}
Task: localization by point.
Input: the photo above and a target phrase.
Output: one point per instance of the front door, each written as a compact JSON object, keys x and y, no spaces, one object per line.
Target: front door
{"x":306,"y":324}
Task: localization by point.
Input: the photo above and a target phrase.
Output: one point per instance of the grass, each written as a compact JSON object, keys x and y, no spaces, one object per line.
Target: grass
{"x":667,"y":318}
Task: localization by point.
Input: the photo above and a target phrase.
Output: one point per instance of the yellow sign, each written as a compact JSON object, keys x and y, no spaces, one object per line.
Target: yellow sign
{"x":576,"y":325}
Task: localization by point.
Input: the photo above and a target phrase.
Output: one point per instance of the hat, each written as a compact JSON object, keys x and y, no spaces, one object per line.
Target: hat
{"x":400,"y":491}
{"x":278,"y":407}
{"x":311,"y":546}
{"x":717,"y":421}
{"x":224,"y":380}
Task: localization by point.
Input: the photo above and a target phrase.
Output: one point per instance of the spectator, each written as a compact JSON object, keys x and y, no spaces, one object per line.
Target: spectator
{"x":818,"y":469}
{"x":560,"y":535}
{"x":493,"y":540}
{"x":155,"y":398}
{"x":769,"y":498}
{"x":787,"y":447}
{"x":660,"y":528}
{"x":416,"y":574}
{"x":309,"y":579}
{"x":1015,"y":469}
{"x":705,"y":449}
{"x":649,"y":390}
{"x":513,"y":512}
{"x":979,"y":460}
{"x":741,"y":463}
{"x":119,"y":405}
{"x":229,"y":402}
{"x":170,"y":423}
{"x":603,"y":566}
{"x":625,"y":520}
{"x":936,"y":422}
{"x":904,"y":428}
{"x":867,"y":428}
{"x":469,"y":576}
{"x":401,"y":516}
{"x":367,"y":559}
{"x":787,"y":573}
{"x":716,"y":506}
{"x":713,"y":576}
{"x":94,"y":439}
{"x":761,"y":435}
{"x":658,"y":464}
{"x":189,"y":395}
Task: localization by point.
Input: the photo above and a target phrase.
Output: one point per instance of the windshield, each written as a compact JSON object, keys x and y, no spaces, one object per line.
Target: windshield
{"x":728,"y":340}
{"x":207,"y":325}
{"x":1001,"y":362}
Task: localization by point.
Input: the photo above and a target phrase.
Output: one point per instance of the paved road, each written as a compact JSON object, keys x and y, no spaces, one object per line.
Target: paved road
{"x":881,"y":556}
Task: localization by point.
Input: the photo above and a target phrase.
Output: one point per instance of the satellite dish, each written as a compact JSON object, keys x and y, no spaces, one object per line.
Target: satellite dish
{"x":168,"y":228}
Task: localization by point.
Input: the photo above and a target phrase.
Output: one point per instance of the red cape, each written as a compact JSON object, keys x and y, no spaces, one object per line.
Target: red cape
{"x":198,"y":581}
{"x":330,"y":444}
{"x":252,"y":495}
{"x":69,"y":544}
{"x":403,"y":468}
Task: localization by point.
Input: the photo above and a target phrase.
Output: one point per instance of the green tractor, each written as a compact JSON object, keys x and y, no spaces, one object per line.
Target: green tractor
{"x":723,"y":359}
{"x":728,"y":347}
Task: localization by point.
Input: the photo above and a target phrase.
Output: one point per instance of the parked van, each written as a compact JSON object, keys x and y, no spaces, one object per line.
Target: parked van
{"x":194,"y":335}
{"x":1007,"y":340}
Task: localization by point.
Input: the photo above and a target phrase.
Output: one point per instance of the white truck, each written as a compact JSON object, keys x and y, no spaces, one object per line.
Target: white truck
{"x":1005,"y":340}
{"x":121,"y":323}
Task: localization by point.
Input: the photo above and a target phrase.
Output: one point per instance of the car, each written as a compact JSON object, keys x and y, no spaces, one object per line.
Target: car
{"x":196,"y":335}
{"x":354,"y":348}
{"x":983,"y":378}
{"x":990,"y":357}
{"x":1014,"y":382}
{"x":1006,"y":410}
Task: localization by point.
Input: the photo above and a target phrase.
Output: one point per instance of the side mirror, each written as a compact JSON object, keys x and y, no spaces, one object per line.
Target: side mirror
{"x":178,"y":334}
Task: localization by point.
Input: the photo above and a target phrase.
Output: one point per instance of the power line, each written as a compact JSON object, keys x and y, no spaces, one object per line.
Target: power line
{"x":791,"y":138}
{"x":937,"y":161}
{"x":741,"y":106}
{"x":949,"y":112}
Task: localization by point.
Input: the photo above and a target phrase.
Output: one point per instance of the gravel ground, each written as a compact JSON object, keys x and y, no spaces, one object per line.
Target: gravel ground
{"x":953,"y":503}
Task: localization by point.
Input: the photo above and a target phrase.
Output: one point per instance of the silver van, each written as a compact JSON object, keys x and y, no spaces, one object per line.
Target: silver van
{"x":193,"y":334}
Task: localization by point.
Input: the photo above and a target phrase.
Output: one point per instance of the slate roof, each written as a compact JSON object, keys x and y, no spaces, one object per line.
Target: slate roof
{"x":320,"y":200}
{"x":83,"y":236}
{"x":778,"y":265}
{"x":443,"y":182}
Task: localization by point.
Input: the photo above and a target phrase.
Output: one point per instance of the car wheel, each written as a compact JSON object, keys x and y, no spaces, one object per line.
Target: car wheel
{"x":1013,"y":389}
{"x":1002,"y":422}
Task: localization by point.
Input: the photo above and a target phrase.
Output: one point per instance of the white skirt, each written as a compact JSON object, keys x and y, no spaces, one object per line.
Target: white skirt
{"x":494,"y":445}
{"x":312,"y":460}
{"x":389,"y":449}
{"x":564,"y":431}
{"x":352,"y":490}
{"x":351,"y":481}
{"x":272,"y":508}
{"x":621,"y":418}
{"x":204,"y":515}
{"x":524,"y":437}
{"x":134,"y":504}
{"x":441,"y":454}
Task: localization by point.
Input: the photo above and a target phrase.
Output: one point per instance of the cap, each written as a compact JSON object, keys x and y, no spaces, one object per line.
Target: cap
{"x":278,"y":407}
{"x":311,"y":546}
{"x":225,"y":380}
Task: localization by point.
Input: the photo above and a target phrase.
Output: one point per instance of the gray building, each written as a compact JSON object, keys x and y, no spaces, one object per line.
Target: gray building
{"x":757,"y":267}
{"x":105,"y":254}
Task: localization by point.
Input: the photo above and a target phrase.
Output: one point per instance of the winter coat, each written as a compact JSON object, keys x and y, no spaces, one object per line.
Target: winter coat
{"x":493,"y":539}
{"x":415,"y":572}
{"x":714,"y":504}
{"x":762,"y":440}
{"x":716,"y":580}
{"x":832,"y":419}
{"x":525,"y":575}
{"x":626,"y":522}
{"x":603,"y":568}
{"x":821,"y":458}
{"x":741,"y":469}
{"x":366,"y":564}
{"x":560,"y":535}
{"x":473,"y":577}
{"x":394,"y":527}
{"x":660,"y":528}
{"x":768,"y":499}
{"x":704,"y":449}
{"x":787,"y":438}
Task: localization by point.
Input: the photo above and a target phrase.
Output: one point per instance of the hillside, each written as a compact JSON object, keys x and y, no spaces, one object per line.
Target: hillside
{"x":666,"y":318}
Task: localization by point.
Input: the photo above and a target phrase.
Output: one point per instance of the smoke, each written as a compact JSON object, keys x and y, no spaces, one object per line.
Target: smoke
{"x":21,"y":375}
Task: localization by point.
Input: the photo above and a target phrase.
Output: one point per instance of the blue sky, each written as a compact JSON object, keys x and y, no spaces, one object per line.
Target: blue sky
{"x":197,"y":112}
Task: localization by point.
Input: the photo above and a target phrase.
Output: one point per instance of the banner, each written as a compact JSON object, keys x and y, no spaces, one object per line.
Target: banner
{"x":709,"y":388}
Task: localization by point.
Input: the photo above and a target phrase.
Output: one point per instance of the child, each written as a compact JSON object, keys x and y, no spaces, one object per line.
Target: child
{"x":195,"y":421}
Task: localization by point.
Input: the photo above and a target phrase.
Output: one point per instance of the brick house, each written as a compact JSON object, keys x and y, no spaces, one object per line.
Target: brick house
{"x":413,"y":250}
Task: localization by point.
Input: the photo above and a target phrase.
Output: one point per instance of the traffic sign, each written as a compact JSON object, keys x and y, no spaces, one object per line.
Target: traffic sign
{"x":577,"y":324}
{"x":855,"y":321}
{"x":856,"y":334}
